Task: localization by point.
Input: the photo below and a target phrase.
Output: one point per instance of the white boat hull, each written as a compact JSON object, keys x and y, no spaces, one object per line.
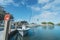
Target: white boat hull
{"x":23,"y":31}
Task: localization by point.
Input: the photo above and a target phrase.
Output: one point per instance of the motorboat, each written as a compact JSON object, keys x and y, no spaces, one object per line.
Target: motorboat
{"x":23,"y":30}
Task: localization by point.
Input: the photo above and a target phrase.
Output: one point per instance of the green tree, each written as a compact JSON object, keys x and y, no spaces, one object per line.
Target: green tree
{"x":51,"y":23}
{"x":58,"y":24}
{"x":44,"y":22}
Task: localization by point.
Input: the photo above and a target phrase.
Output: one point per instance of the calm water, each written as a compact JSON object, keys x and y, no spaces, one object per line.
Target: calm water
{"x":41,"y":33}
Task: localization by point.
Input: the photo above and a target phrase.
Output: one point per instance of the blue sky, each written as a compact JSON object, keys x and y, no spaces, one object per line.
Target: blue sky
{"x":35,"y":11}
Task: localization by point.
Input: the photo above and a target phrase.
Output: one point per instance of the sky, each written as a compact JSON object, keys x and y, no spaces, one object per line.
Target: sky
{"x":36,"y":11}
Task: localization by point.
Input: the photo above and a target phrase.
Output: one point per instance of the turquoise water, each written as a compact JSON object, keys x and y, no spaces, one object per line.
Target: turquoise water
{"x":41,"y":33}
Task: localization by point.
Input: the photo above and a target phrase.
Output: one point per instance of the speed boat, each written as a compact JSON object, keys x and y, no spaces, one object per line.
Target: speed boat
{"x":23,"y":30}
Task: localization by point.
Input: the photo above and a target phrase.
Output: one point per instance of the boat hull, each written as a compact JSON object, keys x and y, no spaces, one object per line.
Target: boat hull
{"x":23,"y":32}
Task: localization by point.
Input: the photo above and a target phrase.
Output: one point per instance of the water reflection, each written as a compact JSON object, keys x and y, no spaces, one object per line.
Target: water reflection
{"x":51,"y":27}
{"x":19,"y":37}
{"x":44,"y":27}
{"x":48,"y":27}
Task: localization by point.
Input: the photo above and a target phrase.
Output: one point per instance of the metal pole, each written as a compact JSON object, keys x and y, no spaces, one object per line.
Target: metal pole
{"x":16,"y":26}
{"x":6,"y":29}
{"x":10,"y":27}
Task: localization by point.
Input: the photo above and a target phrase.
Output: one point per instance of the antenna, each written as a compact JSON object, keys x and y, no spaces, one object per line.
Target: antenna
{"x":30,"y":16}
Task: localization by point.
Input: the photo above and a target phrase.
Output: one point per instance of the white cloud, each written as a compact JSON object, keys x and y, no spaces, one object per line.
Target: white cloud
{"x":53,"y":6}
{"x":43,"y":1}
{"x":5,"y":2}
{"x":35,"y":8}
{"x":57,"y":1}
{"x":8,"y":2}
{"x":47,"y":6}
{"x":15,"y":4}
{"x":45,"y":16}
{"x":50,"y":4}
{"x":48,"y":15}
